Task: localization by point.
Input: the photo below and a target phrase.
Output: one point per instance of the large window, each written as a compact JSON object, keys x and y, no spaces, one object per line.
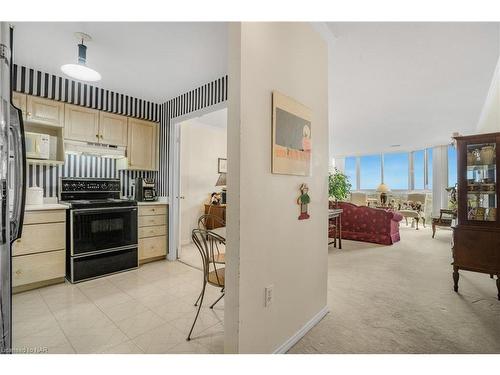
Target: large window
{"x":350,"y":170}
{"x":396,"y":171}
{"x":370,"y":172}
{"x":365,"y":172}
{"x":452,"y":165}
{"x":419,"y":169}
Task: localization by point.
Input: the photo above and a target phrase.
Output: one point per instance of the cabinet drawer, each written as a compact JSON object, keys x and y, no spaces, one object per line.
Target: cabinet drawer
{"x":152,"y":247}
{"x":37,"y":217}
{"x":152,"y":210}
{"x":27,"y":269}
{"x":157,"y":230}
{"x":38,"y":238}
{"x":146,"y":221}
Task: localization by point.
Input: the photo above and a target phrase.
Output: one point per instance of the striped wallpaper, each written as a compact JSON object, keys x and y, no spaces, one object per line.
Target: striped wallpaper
{"x":47,"y":176}
{"x":35,"y":82}
{"x":212,"y":93}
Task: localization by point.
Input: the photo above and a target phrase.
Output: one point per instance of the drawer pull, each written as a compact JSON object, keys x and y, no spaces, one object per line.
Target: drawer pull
{"x":18,"y":272}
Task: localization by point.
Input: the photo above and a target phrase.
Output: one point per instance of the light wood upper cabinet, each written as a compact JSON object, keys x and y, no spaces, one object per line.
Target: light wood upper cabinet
{"x":81,"y":124}
{"x":19,"y":100}
{"x":113,"y":129}
{"x":142,"y":144}
{"x":44,"y":111}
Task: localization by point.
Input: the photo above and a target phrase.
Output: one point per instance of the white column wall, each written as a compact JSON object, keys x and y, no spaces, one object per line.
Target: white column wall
{"x":439,"y":178}
{"x":267,"y":244}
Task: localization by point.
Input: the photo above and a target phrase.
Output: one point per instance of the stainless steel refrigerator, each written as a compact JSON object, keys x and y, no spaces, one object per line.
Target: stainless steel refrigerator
{"x":12,"y":184}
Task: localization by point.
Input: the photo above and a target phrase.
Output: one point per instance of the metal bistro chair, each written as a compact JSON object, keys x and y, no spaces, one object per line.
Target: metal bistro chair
{"x":208,"y":222}
{"x":211,"y":274}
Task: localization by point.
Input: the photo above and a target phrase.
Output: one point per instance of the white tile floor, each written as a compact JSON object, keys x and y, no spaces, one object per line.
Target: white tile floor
{"x":148,"y":310}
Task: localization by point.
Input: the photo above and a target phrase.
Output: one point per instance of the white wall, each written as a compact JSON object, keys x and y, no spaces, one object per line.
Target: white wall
{"x":267,"y":245}
{"x":201,"y":146}
{"x":439,"y":178}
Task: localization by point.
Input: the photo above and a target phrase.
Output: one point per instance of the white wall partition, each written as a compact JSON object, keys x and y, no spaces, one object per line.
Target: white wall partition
{"x":439,"y":178}
{"x":267,"y":244}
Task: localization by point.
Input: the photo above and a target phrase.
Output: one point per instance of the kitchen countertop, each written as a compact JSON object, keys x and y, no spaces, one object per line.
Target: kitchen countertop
{"x":46,"y":206}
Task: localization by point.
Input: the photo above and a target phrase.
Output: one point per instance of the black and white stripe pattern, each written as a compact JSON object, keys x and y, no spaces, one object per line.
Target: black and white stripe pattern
{"x":47,"y":176}
{"x":204,"y":96}
{"x":127,"y":178}
{"x":34,"y":82}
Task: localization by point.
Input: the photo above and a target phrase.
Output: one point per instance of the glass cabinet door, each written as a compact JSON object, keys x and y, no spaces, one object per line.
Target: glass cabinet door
{"x":481,"y":182}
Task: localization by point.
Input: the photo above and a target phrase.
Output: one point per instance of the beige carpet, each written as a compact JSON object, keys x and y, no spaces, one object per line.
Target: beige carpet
{"x":400,"y":299}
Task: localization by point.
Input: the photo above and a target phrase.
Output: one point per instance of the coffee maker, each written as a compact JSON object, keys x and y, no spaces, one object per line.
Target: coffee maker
{"x":145,"y":190}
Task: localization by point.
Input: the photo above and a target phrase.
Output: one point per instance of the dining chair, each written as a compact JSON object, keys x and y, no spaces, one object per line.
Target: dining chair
{"x":207,"y":222}
{"x":213,"y":273}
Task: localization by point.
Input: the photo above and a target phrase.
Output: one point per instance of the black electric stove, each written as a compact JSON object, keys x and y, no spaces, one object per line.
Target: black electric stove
{"x":101,"y":228}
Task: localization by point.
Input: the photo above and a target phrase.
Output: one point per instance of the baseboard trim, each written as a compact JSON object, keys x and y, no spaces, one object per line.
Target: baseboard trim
{"x":283,"y":348}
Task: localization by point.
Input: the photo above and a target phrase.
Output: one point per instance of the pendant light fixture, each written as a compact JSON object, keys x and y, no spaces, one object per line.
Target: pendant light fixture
{"x":81,"y":71}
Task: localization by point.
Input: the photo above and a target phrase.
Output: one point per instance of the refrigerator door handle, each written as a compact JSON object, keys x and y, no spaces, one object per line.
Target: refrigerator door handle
{"x":19,"y":149}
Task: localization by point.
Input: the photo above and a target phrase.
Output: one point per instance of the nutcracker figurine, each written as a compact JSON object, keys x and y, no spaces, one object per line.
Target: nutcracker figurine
{"x":303,"y":200}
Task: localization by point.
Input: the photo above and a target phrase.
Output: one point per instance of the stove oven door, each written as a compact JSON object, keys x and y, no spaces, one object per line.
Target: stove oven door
{"x":100,"y":229}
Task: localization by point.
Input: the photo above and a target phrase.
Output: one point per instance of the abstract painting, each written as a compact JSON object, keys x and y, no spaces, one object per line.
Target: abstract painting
{"x":292,"y":147}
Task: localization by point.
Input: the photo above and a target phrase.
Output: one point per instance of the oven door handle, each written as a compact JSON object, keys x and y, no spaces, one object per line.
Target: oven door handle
{"x":86,"y":211}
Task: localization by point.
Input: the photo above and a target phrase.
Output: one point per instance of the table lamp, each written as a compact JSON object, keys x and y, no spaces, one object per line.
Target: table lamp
{"x":383,"y":189}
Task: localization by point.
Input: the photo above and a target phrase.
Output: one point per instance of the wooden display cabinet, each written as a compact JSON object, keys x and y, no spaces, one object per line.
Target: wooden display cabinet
{"x":476,"y":237}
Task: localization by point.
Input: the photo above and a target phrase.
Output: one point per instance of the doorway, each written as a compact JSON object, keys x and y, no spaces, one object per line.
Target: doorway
{"x":199,"y":169}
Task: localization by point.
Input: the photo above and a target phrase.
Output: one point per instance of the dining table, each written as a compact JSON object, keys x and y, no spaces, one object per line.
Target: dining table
{"x":221,"y":231}
{"x":336,"y":214}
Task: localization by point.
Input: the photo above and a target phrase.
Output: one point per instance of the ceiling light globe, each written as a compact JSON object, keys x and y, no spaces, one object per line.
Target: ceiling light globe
{"x":81,"y":72}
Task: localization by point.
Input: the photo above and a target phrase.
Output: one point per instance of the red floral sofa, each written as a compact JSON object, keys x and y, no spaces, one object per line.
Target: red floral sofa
{"x":361,"y":223}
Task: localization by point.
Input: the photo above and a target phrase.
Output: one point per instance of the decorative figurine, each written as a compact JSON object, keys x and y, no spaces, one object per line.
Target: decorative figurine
{"x":215,"y":199}
{"x":303,"y":200}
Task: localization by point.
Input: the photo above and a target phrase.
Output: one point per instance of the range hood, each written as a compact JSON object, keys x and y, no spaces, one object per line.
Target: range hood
{"x":94,"y":149}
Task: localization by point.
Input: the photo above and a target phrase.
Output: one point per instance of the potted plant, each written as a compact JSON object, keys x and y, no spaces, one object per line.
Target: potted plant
{"x":339,"y":186}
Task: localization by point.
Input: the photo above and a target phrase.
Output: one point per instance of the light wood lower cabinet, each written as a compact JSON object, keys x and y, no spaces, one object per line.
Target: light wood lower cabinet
{"x":147,"y":221}
{"x":40,"y":238}
{"x":152,"y":247}
{"x":39,"y":257}
{"x":152,"y":232}
{"x":34,"y":270}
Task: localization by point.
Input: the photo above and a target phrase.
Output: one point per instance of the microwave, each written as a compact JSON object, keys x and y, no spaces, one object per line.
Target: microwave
{"x":37,"y":145}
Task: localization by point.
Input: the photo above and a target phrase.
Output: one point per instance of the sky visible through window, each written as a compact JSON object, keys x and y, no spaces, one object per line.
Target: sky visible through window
{"x":419,"y":169}
{"x":396,"y":170}
{"x":370,"y":171}
{"x":350,"y":170}
{"x":452,"y":165}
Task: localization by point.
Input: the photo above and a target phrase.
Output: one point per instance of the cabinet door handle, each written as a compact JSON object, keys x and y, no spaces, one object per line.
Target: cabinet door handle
{"x":29,"y":114}
{"x":97,"y":136}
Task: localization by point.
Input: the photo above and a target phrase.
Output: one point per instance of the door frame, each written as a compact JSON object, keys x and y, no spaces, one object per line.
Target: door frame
{"x":174,"y":176}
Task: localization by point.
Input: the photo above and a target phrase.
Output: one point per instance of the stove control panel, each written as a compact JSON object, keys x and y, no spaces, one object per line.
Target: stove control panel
{"x":89,"y":185}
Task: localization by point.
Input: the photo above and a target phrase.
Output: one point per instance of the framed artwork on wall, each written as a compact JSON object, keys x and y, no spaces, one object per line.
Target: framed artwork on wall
{"x":291,"y":136}
{"x":222,"y":166}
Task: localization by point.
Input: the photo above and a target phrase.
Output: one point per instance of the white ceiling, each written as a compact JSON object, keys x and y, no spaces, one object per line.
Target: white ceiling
{"x":154,"y":61}
{"x":411,"y":84}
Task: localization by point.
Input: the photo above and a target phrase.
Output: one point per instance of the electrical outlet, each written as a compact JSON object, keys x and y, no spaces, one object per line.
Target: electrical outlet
{"x":269,"y":294}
